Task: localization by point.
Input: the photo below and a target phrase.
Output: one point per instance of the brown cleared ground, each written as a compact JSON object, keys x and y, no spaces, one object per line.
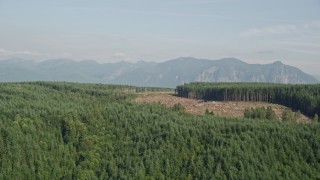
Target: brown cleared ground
{"x":229,"y":109}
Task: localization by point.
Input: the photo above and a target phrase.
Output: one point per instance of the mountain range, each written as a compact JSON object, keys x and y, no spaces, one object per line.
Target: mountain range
{"x":165,"y":74}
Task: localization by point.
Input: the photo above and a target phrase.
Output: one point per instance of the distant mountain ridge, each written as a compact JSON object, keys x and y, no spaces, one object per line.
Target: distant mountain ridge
{"x":166,"y":74}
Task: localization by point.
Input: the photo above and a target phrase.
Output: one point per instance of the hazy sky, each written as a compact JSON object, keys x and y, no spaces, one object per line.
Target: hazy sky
{"x":256,"y":31}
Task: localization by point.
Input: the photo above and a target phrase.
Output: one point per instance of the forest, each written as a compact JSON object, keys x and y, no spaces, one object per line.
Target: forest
{"x":57,"y":130}
{"x":305,"y":98}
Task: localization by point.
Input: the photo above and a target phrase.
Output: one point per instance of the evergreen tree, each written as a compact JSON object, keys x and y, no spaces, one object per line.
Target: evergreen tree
{"x":316,"y":118}
{"x":297,"y":115}
{"x":270,"y":114}
{"x":247,"y":113}
{"x":287,"y":115}
{"x":94,"y":131}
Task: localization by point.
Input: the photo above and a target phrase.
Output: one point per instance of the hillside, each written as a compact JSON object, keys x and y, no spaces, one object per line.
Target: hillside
{"x":167,"y":74}
{"x":93,"y":131}
{"x":305,"y":98}
{"x":218,"y":108}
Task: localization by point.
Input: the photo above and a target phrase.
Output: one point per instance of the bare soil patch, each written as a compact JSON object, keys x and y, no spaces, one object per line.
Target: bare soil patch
{"x":227,"y":109}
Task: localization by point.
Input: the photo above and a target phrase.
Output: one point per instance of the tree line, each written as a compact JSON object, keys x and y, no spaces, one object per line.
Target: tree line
{"x":305,"y":98}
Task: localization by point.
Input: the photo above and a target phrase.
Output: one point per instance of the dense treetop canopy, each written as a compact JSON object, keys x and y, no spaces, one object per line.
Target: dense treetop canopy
{"x":54,"y":130}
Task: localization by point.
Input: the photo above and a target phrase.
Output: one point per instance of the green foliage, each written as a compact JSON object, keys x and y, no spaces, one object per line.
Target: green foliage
{"x":260,"y":113}
{"x":287,"y":115}
{"x":270,"y":114}
{"x":178,"y":107}
{"x":316,"y":118}
{"x":297,"y":115}
{"x":207,"y":112}
{"x":90,"y":131}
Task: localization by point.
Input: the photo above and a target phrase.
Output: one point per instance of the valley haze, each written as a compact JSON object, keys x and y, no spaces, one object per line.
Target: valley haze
{"x":126,"y":30}
{"x":87,"y":89}
{"x":165,"y":74}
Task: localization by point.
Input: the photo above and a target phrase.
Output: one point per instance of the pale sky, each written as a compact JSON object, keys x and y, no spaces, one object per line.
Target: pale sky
{"x":256,"y":31}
